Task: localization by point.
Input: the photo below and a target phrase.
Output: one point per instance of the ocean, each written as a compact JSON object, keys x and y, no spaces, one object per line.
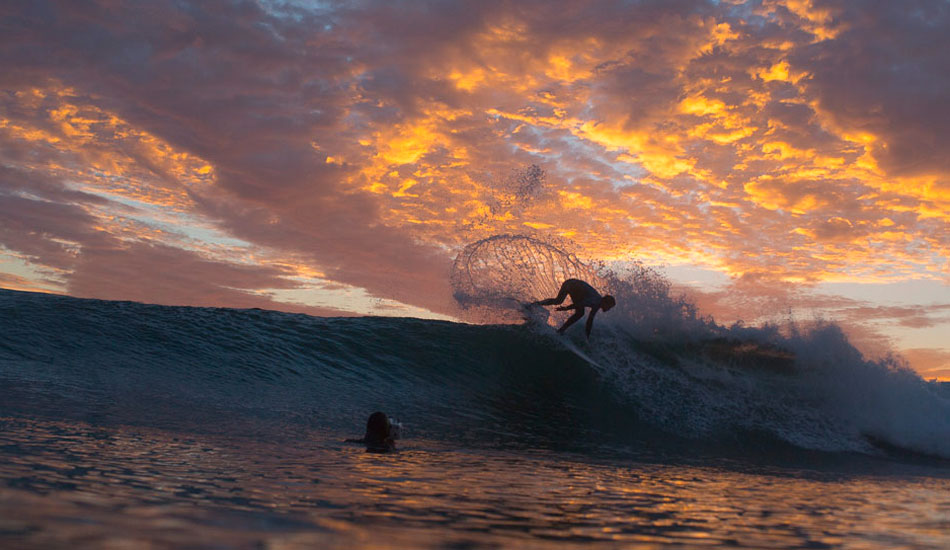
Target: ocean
{"x":126,"y":425}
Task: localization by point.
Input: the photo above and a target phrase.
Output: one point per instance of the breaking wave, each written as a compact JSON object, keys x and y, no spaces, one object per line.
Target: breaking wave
{"x":803,"y":384}
{"x":653,"y":370}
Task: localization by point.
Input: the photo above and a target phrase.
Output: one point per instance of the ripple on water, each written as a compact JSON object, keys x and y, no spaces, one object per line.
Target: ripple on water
{"x":74,"y":485}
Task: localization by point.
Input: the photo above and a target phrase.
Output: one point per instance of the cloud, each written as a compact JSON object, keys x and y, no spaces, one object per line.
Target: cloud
{"x":886,"y":74}
{"x":241,"y":106}
{"x":777,"y":142}
{"x":17,"y":282}
{"x":155,"y":273}
{"x":930,"y":363}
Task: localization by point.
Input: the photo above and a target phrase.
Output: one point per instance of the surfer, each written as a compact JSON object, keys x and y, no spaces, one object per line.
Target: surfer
{"x":381,"y":434}
{"x":583,"y":296}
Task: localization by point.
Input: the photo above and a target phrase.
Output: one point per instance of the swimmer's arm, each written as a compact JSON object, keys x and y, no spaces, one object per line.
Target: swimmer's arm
{"x":590,"y":320}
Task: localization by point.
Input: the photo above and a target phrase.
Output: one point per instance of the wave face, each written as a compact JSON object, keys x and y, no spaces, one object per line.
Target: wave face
{"x":240,"y":370}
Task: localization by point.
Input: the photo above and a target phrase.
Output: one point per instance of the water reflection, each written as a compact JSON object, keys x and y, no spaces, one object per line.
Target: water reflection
{"x":80,"y":486}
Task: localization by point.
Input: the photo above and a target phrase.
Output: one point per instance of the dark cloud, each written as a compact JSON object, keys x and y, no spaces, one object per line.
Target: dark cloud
{"x":769,"y":139}
{"x":918,"y":316}
{"x":888,"y":73}
{"x":248,"y":92}
{"x":50,"y":233}
{"x":155,"y":273}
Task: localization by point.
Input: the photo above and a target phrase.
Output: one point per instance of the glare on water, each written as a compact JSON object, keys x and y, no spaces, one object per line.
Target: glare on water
{"x":68,"y":484}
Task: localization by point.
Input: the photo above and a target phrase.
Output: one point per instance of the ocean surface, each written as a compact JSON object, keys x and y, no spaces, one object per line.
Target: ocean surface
{"x":124,"y":425}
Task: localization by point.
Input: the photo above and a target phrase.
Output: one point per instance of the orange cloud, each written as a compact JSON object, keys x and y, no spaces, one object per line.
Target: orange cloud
{"x":781,"y":140}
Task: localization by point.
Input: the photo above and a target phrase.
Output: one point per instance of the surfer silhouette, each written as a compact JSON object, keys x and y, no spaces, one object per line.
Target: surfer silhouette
{"x":381,"y":434}
{"x":583,"y":296}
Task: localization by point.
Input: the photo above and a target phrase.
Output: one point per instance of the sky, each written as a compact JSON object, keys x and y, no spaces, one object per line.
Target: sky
{"x":775,"y":158}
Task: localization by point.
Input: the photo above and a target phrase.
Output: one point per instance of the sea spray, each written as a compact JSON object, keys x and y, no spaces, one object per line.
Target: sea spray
{"x":680,"y":371}
{"x":493,"y":277}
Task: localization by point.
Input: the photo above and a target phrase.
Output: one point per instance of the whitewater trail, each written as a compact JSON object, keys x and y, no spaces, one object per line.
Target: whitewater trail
{"x":580,"y":353}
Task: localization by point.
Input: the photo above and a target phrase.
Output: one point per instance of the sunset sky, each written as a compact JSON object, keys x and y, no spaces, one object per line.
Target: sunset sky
{"x":774,"y":158}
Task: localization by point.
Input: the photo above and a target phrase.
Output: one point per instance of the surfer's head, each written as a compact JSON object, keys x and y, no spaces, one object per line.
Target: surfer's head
{"x":607,"y":302}
{"x":377,"y":427}
{"x":379,"y":437}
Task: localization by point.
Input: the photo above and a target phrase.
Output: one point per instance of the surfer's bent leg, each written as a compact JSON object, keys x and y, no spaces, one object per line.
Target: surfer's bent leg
{"x":558,"y":300}
{"x":572,"y":319}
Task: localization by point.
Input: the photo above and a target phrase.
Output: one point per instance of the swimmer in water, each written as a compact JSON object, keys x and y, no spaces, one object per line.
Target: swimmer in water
{"x":381,"y":434}
{"x":583,"y":296}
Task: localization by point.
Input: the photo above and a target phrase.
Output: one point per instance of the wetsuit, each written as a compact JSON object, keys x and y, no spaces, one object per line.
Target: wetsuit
{"x":582,"y":295}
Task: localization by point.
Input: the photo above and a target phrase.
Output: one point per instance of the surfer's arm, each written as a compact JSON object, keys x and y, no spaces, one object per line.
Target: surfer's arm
{"x":561,"y":294}
{"x":565,"y":308}
{"x":571,"y":320}
{"x":590,"y":320}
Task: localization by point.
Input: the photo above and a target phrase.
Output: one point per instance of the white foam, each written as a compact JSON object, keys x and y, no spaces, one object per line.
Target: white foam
{"x":650,"y":347}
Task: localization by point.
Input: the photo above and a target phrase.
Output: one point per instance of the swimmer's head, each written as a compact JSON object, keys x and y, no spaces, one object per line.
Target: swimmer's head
{"x":377,"y":427}
{"x":607,"y":302}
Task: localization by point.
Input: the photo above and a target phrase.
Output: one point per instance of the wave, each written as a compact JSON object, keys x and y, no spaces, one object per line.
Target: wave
{"x":225,"y":369}
{"x":210,"y":368}
{"x":803,"y":384}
